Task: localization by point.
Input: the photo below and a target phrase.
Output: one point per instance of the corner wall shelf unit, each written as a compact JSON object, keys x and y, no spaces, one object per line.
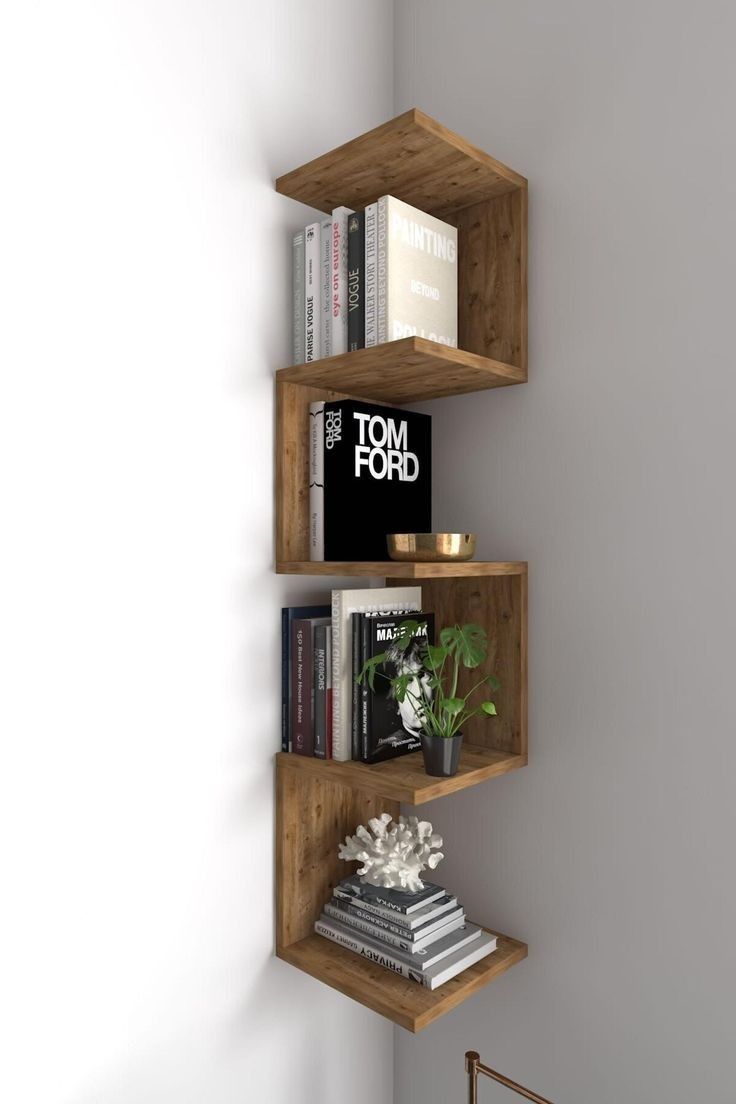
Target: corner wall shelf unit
{"x":319,"y":802}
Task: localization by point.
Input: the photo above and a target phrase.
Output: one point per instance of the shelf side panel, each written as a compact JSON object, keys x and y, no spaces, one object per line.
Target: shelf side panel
{"x":313,"y":816}
{"x":498,"y":603}
{"x":492,"y":283}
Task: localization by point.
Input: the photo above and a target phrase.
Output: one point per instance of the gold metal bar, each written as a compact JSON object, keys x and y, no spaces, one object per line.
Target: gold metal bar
{"x":474,"y":1066}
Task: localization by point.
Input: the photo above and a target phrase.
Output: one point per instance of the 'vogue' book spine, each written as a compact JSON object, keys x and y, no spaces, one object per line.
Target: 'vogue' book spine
{"x":370,"y":274}
{"x":320,"y":692}
{"x":316,"y":481}
{"x":302,"y":736}
{"x":356,"y":291}
{"x":325,"y":248}
{"x":312,"y":296}
{"x":298,"y":289}
{"x":339,"y":277}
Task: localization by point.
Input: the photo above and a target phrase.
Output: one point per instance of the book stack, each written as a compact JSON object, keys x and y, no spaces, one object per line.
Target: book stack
{"x":324,"y":712}
{"x":423,"y":936}
{"x":361,"y":278}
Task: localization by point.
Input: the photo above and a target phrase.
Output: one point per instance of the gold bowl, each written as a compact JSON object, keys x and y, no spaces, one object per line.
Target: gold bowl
{"x":431,"y":547}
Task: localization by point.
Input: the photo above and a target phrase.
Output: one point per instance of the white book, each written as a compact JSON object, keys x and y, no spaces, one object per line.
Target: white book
{"x":312,"y":293}
{"x":298,"y":293}
{"x":325,"y":248}
{"x":345,"y":603}
{"x":339,"y":289}
{"x":416,"y":264}
{"x":371,"y":330}
{"x":431,"y":977}
{"x":316,"y":481}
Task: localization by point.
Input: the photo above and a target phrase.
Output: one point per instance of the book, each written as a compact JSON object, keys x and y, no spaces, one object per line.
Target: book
{"x":395,"y":933}
{"x":371,"y":214}
{"x":377,"y":478}
{"x":316,"y":480}
{"x":356,"y":621}
{"x":298,"y":296}
{"x":325,"y":250}
{"x":302,"y":676}
{"x":312,"y":292}
{"x":420,"y":958}
{"x":288,"y":615}
{"x":356,"y":296}
{"x":431,"y":977}
{"x":339,"y":288}
{"x":416,"y":274}
{"x":321,"y":661}
{"x":328,"y":687}
{"x":389,"y":727}
{"x":396,"y":900}
{"x":344,"y":603}
{"x":445,"y":906}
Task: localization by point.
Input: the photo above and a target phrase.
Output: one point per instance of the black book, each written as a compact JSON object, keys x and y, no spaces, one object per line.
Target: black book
{"x":288,"y":614}
{"x":392,"y":726}
{"x":357,"y":627}
{"x":377,"y":477}
{"x":321,"y":660}
{"x":356,"y":281}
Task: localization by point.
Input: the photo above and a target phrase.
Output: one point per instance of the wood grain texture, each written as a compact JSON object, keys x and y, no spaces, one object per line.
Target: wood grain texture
{"x":412,"y":157}
{"x":409,"y":1005}
{"x":313,"y":816}
{"x":498,"y":603}
{"x":402,"y":569}
{"x":405,"y":779}
{"x":412,"y":369}
{"x":492,"y":278}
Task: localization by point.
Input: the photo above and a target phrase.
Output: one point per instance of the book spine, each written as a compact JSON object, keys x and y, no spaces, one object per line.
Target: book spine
{"x":301,"y":674}
{"x":365,"y":950}
{"x":339,"y":289}
{"x":375,"y":931}
{"x":382,"y":271}
{"x":356,"y":290}
{"x":312,"y":313}
{"x":365,"y":701}
{"x":340,"y":752}
{"x":316,"y":481}
{"x":284,"y":680}
{"x":298,"y":291}
{"x":325,"y":297}
{"x":320,"y":692}
{"x":356,"y":619}
{"x":371,"y":212}
{"x":328,"y":694}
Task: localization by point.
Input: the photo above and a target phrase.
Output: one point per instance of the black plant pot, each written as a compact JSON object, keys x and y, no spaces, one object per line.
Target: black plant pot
{"x":441,"y":755}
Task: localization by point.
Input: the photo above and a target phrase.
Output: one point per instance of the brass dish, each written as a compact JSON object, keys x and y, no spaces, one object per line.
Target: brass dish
{"x":431,"y":547}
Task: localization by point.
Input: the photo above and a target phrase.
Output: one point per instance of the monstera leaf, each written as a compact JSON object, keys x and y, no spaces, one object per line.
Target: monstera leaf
{"x":468,"y":643}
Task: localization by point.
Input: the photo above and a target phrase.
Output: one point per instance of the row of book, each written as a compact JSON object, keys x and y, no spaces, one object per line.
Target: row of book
{"x":370,"y":474}
{"x":423,"y":936}
{"x":362,"y":278}
{"x":325,"y":713}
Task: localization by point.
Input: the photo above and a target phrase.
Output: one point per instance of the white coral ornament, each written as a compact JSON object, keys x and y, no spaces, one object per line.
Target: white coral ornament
{"x":393,"y":857}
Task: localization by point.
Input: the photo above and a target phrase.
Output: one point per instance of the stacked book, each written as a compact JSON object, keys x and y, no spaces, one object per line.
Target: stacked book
{"x":421,"y":936}
{"x":325,"y":713}
{"x":362,"y":278}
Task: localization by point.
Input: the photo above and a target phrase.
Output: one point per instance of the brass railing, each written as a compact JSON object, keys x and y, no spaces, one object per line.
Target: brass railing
{"x":474,"y":1066}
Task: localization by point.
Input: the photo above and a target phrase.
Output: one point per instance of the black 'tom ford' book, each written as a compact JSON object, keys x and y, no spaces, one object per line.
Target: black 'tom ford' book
{"x":377,"y":477}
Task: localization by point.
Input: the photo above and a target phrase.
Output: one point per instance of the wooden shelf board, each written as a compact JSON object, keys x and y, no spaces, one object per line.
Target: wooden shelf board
{"x":405,"y":1002}
{"x":405,"y":779}
{"x":396,"y":569}
{"x":412,"y":157}
{"x":412,"y":369}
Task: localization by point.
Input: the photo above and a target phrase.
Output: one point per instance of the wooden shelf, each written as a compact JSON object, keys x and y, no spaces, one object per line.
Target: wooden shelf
{"x":409,"y":1005}
{"x":410,"y":370}
{"x":405,"y":779}
{"x":412,"y":157}
{"x":397,"y":569}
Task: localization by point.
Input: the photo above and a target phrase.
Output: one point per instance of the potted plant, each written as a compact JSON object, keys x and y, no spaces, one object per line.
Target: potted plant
{"x":439,"y":710}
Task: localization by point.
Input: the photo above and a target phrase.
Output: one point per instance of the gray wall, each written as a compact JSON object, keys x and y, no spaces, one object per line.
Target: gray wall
{"x":612,"y":473}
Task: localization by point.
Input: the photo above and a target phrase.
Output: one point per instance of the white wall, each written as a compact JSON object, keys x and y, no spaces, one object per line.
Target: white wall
{"x":145,"y":299}
{"x":613,"y":473}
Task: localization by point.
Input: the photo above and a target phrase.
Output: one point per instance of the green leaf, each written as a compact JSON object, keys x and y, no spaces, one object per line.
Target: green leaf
{"x":469,"y":643}
{"x":437,"y":655}
{"x":493,"y":682}
{"x":489,"y":708}
{"x":453,"y":706}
